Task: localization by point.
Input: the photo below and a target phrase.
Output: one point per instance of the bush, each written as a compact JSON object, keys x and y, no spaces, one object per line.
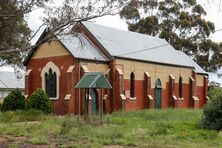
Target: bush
{"x":0,"y":106}
{"x":212,"y":113}
{"x":15,"y":100}
{"x":39,"y":100}
{"x":214,"y":91}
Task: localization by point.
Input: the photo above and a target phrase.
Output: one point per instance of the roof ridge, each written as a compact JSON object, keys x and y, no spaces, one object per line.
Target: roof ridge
{"x":117,"y":29}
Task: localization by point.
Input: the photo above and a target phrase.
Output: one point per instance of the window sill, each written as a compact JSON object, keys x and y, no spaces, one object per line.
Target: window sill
{"x":53,"y":98}
{"x":134,"y":98}
{"x":180,"y":99}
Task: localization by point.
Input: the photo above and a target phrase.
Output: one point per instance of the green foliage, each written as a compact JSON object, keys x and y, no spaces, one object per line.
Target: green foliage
{"x":39,"y":100}
{"x":15,"y":100}
{"x":22,"y":116}
{"x":0,"y":106}
{"x":212,"y":112}
{"x":144,"y":128}
{"x":181,"y":23}
{"x":214,"y":91}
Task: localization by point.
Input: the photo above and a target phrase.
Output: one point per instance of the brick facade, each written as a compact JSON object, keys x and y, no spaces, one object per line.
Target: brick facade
{"x":71,"y":100}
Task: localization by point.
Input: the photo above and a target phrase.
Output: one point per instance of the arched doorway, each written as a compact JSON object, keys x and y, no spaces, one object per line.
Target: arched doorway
{"x":158,"y":93}
{"x":94,"y":96}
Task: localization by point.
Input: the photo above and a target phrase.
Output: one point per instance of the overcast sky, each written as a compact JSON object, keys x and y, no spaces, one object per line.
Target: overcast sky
{"x":214,"y":14}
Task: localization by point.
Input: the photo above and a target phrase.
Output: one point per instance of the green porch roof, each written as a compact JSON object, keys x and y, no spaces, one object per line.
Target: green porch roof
{"x":93,"y":80}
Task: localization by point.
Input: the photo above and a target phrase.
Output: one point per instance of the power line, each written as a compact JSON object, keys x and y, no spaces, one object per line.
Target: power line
{"x":146,"y":49}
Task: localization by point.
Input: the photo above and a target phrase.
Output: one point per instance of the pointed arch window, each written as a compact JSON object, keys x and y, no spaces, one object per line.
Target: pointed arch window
{"x":50,"y":83}
{"x":132,"y":85}
{"x":50,"y":80}
{"x":180,"y":87}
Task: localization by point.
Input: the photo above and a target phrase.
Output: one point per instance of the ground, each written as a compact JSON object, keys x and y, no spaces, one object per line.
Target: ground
{"x":170,"y":128}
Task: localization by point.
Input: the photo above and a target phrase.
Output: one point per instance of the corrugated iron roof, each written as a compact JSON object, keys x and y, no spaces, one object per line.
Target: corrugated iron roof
{"x":138,"y":46}
{"x":9,"y":80}
{"x":80,"y":47}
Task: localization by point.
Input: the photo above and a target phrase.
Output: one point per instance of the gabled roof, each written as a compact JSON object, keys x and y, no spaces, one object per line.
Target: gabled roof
{"x":131,"y":45}
{"x":80,"y":47}
{"x":77,"y":44}
{"x":9,"y":80}
{"x":93,"y":80}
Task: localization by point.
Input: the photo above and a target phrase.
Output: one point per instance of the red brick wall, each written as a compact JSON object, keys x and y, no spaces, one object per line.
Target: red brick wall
{"x":114,"y":101}
{"x":63,"y":62}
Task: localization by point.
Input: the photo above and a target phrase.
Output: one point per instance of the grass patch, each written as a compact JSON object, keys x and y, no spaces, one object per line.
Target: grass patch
{"x":146,"y":128}
{"x":22,"y":116}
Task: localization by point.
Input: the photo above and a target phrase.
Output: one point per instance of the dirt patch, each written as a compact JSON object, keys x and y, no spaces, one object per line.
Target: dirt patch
{"x":17,"y":141}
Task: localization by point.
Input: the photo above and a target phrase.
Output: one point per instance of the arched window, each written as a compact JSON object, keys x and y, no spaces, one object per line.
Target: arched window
{"x":50,"y":80}
{"x":180,"y":87}
{"x":132,"y":85}
{"x":50,"y":83}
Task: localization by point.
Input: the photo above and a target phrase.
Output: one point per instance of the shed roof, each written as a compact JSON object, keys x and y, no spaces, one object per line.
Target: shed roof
{"x":93,"y":80}
{"x":127,"y":44}
{"x":9,"y":80}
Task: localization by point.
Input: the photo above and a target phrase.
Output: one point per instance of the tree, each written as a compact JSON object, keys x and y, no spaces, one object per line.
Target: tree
{"x":15,"y":35}
{"x":181,"y":23}
{"x":14,"y":31}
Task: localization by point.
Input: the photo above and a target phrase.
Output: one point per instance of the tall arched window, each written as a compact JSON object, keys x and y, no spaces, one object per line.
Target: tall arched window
{"x":50,"y":83}
{"x":132,"y":85}
{"x":180,"y":87}
{"x":50,"y":80}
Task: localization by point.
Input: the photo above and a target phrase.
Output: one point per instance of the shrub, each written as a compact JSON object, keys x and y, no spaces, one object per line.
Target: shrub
{"x":39,"y":100}
{"x":212,"y":111}
{"x":15,"y":100}
{"x":0,"y":106}
{"x":214,"y":91}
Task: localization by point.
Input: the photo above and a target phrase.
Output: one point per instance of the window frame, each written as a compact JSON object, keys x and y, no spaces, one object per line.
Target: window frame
{"x":180,"y":88}
{"x":55,"y":69}
{"x":132,"y":85}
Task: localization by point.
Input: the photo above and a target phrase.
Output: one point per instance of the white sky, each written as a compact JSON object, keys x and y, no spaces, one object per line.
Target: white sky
{"x":214,"y":14}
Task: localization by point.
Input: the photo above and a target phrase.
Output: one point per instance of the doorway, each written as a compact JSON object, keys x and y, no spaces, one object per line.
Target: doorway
{"x":94,"y":96}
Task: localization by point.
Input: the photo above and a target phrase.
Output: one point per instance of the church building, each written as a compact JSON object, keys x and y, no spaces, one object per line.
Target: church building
{"x":144,"y":71}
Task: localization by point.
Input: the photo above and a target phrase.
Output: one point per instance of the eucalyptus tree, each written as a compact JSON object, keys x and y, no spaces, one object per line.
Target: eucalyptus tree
{"x":181,"y":23}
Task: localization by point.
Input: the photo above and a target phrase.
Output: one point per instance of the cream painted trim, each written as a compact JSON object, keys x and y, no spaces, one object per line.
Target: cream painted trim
{"x":105,"y":97}
{"x":107,"y":72}
{"x":90,"y":98}
{"x":150,"y":97}
{"x":46,"y":70}
{"x":175,"y":98}
{"x":120,"y":71}
{"x":28,"y":72}
{"x":181,"y":99}
{"x":26,"y":96}
{"x":70,"y":69}
{"x":207,"y":98}
{"x":123,"y":97}
{"x":85,"y":68}
{"x":192,"y":78}
{"x":67,"y":97}
{"x":195,"y":98}
{"x":147,"y":74}
{"x":134,"y":98}
{"x":172,"y":77}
